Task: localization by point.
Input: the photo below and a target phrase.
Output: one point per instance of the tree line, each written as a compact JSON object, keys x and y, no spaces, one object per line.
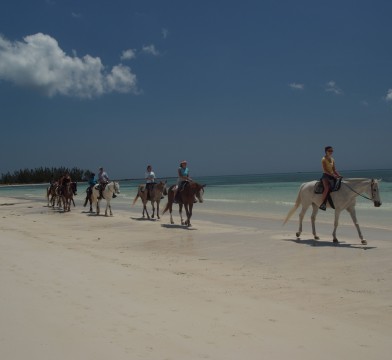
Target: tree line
{"x":43,"y":175}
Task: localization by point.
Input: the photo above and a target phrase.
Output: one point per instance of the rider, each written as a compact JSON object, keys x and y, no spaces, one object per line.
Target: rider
{"x":89,"y":190}
{"x":64,"y":180}
{"x":150,"y":180}
{"x":183,"y":179}
{"x":329,"y":173}
{"x":103,"y":180}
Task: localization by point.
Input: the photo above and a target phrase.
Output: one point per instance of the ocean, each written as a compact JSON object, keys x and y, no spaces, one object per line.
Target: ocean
{"x":257,"y":195}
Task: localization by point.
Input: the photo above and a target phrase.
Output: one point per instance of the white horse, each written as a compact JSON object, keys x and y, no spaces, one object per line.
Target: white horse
{"x":107,"y":194}
{"x":343,"y":199}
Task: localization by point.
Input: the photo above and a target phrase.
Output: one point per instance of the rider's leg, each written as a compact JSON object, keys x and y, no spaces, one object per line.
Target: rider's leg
{"x":323,"y":205}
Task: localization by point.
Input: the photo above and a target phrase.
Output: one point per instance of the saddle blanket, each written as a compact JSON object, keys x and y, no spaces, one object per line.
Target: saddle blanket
{"x":334,"y":185}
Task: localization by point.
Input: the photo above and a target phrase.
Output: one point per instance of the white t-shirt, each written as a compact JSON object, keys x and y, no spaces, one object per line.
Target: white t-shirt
{"x":150,"y":177}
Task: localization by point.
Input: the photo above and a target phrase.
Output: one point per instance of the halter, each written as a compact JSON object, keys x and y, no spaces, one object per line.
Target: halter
{"x":365,"y":197}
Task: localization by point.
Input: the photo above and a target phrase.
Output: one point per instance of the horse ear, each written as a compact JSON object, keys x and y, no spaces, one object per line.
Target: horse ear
{"x":203,"y":186}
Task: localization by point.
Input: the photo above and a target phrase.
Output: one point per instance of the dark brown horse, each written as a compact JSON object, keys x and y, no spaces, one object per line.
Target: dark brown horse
{"x":186,"y":198}
{"x":67,"y":193}
{"x":154,"y":195}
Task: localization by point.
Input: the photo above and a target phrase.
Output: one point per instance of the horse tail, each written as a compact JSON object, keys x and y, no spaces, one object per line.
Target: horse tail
{"x":166,"y":208}
{"x":135,"y":199}
{"x":294,"y":208}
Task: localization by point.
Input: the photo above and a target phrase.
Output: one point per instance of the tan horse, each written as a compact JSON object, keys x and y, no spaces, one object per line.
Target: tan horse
{"x":52,"y":194}
{"x":186,"y":198}
{"x":154,"y":195}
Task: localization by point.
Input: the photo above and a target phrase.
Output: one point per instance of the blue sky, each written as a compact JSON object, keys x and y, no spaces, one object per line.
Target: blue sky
{"x":234,"y":87}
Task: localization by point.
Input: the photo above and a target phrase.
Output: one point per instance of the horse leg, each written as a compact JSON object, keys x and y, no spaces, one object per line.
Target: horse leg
{"x":158,"y":217}
{"x":190,"y":213}
{"x":98,"y":208}
{"x":313,"y":220}
{"x":145,"y":210}
{"x":180,"y":211}
{"x":301,"y":218}
{"x":353,"y":215}
{"x":108,"y":206}
{"x":153,"y":209}
{"x":335,"y":224}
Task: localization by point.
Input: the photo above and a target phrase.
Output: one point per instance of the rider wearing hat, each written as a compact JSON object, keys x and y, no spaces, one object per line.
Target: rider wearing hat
{"x":183,"y":179}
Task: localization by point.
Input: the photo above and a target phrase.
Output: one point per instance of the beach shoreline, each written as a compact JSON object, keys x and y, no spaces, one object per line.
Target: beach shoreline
{"x":82,"y":286}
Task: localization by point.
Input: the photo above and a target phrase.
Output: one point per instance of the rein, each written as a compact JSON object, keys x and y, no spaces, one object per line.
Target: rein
{"x":365,"y":197}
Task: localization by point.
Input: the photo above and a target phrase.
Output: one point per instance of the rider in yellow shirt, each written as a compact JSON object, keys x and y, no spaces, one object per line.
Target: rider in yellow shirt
{"x":329,"y":173}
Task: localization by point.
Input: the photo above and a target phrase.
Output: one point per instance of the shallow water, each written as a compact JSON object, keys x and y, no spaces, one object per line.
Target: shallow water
{"x":249,"y":195}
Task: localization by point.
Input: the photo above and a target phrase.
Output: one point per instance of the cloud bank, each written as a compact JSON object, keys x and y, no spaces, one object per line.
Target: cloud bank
{"x":38,"y":62}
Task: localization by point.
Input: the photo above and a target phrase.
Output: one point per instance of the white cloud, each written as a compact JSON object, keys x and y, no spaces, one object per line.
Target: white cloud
{"x":128,"y":54}
{"x":76,"y":15}
{"x":297,"y":86}
{"x":150,"y":49}
{"x":388,"y":97}
{"x":165,"y":33}
{"x":332,"y":87}
{"x":38,"y":62}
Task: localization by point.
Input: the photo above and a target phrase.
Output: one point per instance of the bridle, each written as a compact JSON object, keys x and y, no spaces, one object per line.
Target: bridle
{"x":372,"y":184}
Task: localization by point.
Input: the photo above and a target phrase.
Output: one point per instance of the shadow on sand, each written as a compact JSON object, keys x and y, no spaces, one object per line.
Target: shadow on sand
{"x":144,"y":219}
{"x":176,"y":226}
{"x":321,"y":243}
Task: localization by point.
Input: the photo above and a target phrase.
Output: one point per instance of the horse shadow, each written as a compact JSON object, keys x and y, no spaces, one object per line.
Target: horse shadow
{"x":176,"y":226}
{"x":324,"y":243}
{"x":144,"y":219}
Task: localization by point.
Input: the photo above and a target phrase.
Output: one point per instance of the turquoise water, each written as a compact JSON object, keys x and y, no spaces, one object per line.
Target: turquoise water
{"x":251,"y":195}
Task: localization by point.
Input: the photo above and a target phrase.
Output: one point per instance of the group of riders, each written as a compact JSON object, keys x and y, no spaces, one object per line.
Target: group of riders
{"x":150,"y":179}
{"x":329,"y":178}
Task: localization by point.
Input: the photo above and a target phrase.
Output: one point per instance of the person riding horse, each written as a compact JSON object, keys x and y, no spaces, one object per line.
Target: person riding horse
{"x":182,"y":181}
{"x":330,"y":174}
{"x":89,"y":190}
{"x":149,"y":176}
{"x":64,"y":180}
{"x":103,"y":180}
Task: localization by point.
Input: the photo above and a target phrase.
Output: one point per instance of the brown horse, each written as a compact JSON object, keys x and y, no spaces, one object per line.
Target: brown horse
{"x":154,"y":195}
{"x":67,"y":193}
{"x":186,"y":198}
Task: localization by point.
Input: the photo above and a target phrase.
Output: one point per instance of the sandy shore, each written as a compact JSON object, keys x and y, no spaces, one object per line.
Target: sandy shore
{"x":76,"y":286}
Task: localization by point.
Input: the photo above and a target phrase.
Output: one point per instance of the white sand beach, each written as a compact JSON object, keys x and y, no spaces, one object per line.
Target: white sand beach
{"x":77,"y":286}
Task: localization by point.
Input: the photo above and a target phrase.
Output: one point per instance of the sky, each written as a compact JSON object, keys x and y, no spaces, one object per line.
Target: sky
{"x":233,"y":87}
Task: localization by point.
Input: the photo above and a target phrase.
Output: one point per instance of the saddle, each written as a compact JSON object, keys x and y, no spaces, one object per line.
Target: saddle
{"x":334,"y":185}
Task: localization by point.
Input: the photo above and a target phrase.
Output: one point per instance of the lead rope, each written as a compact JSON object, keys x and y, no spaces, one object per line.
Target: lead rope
{"x":365,"y":197}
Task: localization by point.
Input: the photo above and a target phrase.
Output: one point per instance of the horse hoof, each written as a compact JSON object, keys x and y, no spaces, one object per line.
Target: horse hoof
{"x":364,"y":242}
{"x":316,"y":237}
{"x":298,"y":234}
{"x":336,"y":241}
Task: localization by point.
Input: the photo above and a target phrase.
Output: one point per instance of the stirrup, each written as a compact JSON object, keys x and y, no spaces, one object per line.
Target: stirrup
{"x":323,"y":207}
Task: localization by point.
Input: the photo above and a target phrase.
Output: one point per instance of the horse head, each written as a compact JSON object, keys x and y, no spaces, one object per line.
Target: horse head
{"x":116,"y":187}
{"x":164,"y":189}
{"x":375,"y":193}
{"x":199,"y":191}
